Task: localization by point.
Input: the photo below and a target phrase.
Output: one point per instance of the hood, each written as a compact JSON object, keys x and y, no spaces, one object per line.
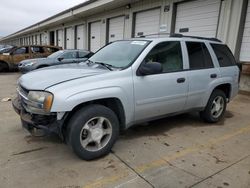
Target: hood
{"x":38,"y":60}
{"x":47,"y":77}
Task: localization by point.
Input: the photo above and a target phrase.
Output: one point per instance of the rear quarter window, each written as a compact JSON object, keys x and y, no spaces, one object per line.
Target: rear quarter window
{"x":52,"y":50}
{"x":224,"y":55}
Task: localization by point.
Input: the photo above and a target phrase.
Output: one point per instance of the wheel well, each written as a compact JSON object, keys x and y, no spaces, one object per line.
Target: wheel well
{"x":5,"y":63}
{"x":226,"y":88}
{"x":113,"y":103}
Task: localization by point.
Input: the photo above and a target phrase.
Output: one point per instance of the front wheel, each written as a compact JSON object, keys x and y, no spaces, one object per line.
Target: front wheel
{"x":215,"y":108}
{"x":92,"y":131}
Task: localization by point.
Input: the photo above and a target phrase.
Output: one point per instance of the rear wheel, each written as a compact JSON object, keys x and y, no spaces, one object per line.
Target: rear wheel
{"x":92,"y":131}
{"x":4,"y":67}
{"x":215,"y":108}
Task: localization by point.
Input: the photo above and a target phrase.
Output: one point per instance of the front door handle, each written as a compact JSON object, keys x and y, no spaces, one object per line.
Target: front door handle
{"x":213,"y":76}
{"x":181,"y":80}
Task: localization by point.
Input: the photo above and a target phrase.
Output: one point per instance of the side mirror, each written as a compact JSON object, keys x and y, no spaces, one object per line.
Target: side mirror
{"x":60,"y":58}
{"x":150,"y":68}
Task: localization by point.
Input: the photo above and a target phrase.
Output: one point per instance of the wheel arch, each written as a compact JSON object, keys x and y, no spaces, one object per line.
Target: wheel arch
{"x":114,"y":104}
{"x":226,"y":88}
{"x":6,"y":63}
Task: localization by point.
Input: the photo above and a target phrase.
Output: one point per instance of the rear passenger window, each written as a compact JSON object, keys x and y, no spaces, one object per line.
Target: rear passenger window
{"x":169,"y":54}
{"x":199,"y":57}
{"x":37,"y":49}
{"x":52,"y":50}
{"x":224,"y":55}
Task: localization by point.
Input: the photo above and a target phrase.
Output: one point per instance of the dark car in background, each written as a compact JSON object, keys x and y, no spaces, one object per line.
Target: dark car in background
{"x":5,"y":49}
{"x":9,"y":60}
{"x":57,"y":58}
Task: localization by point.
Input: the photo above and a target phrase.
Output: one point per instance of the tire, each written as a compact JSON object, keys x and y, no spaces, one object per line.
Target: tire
{"x":85,"y":131}
{"x":4,"y":67}
{"x":215,"y":112}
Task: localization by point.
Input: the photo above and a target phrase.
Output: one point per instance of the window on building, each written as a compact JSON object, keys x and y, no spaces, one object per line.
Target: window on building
{"x":199,"y":56}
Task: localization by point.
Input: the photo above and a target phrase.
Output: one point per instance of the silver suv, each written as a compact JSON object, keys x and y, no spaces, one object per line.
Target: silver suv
{"x":125,"y":83}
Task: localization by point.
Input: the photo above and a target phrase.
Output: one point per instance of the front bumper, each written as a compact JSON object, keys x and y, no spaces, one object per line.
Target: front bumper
{"x":33,"y":122}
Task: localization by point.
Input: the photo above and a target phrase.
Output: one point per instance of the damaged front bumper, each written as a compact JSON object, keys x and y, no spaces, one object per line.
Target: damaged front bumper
{"x":35,"y":123}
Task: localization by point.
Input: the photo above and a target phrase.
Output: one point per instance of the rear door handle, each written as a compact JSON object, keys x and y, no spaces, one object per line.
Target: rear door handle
{"x":181,"y":80}
{"x":213,"y":76}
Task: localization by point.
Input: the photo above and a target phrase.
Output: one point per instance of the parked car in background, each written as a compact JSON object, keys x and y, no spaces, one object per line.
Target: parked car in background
{"x":6,"y":49}
{"x":10,"y":59}
{"x":127,"y":82}
{"x":57,"y":58}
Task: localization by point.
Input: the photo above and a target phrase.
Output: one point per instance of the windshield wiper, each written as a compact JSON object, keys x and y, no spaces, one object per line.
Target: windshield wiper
{"x":108,"y":66}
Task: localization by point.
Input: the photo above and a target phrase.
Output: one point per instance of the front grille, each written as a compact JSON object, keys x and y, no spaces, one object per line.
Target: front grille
{"x":23,"y":95}
{"x":23,"y":90}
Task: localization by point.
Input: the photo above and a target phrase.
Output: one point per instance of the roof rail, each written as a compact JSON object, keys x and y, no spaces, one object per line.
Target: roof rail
{"x":154,"y":34}
{"x":177,"y":35}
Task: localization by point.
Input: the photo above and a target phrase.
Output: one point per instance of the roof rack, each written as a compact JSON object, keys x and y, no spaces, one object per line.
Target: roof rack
{"x":155,"y":34}
{"x":177,"y":35}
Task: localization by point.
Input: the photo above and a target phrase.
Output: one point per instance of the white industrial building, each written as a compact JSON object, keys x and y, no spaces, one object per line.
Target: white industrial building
{"x":94,"y":23}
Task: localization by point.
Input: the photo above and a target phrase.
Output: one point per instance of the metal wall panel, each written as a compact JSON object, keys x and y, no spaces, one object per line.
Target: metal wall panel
{"x":245,"y":45}
{"x":147,"y":22}
{"x":198,"y":18}
{"x":116,"y":28}
{"x":81,"y":37}
{"x":95,"y":36}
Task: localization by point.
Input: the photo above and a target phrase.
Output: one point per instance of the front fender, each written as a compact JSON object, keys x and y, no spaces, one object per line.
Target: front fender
{"x":68,"y":103}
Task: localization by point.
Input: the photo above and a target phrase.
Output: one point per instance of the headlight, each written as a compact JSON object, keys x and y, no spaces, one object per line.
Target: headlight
{"x":29,"y":64}
{"x":40,"y":100}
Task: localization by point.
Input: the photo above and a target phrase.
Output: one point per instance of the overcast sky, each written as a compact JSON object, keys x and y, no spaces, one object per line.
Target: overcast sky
{"x":18,"y":14}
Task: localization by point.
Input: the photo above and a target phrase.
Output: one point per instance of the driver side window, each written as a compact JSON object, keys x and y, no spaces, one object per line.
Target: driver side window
{"x":169,"y":54}
{"x":22,"y":50}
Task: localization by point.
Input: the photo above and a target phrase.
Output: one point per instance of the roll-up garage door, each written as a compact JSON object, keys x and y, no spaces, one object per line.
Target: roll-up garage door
{"x":245,"y":45}
{"x":60,"y":37}
{"x":38,"y":39}
{"x":81,"y":37}
{"x":95,"y":36}
{"x":147,"y":22}
{"x":69,"y":38}
{"x":116,"y":28}
{"x":198,"y":18}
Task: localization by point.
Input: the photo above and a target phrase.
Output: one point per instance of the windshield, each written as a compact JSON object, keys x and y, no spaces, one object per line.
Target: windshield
{"x":56,"y":54}
{"x":120,"y":54}
{"x":6,"y":50}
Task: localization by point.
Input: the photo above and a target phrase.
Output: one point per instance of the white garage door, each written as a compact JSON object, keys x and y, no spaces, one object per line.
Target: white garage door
{"x":69,"y":38}
{"x":38,"y":39}
{"x":198,"y":18}
{"x":147,"y":22}
{"x":81,"y":37}
{"x":116,"y":28}
{"x":245,"y":46}
{"x":60,"y":38}
{"x":95,"y":36}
